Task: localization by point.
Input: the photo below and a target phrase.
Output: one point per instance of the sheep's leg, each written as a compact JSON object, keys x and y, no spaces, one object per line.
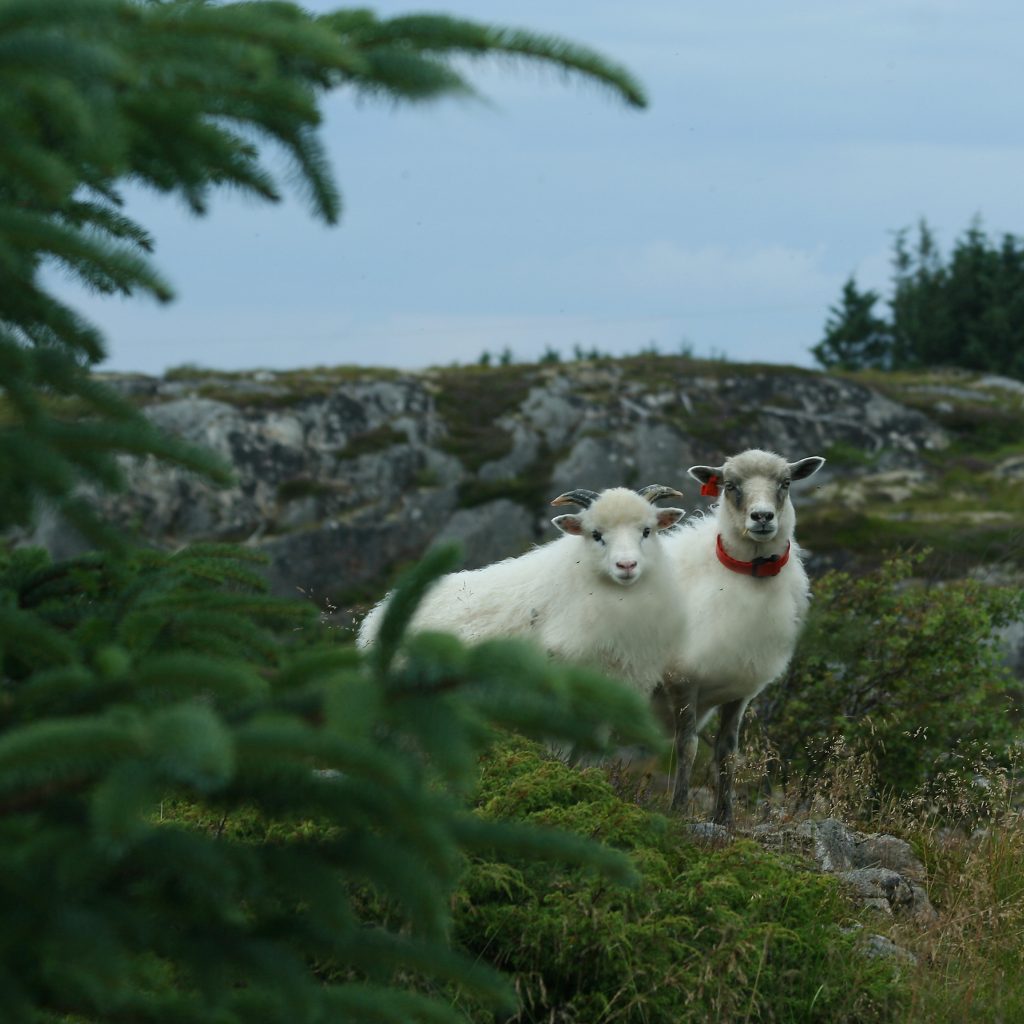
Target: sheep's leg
{"x":683,"y":702}
{"x":726,"y":745}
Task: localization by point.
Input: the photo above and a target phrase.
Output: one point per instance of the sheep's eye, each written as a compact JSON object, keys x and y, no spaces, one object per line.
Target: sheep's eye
{"x":647,"y":531}
{"x":596,"y":535}
{"x":784,"y":484}
{"x":729,"y":485}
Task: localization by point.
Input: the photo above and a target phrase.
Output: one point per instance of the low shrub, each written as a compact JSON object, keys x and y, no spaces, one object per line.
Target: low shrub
{"x":725,"y":934}
{"x":905,"y":673}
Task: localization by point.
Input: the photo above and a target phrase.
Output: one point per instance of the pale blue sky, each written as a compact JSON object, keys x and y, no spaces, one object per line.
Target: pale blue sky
{"x":783,"y":144}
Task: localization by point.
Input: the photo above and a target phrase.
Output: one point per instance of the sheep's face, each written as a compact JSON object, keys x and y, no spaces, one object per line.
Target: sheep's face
{"x":754,"y":488}
{"x":618,"y":533}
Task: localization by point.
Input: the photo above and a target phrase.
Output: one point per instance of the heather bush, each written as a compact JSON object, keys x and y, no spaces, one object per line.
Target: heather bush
{"x":904,"y":672}
{"x":728,"y":933}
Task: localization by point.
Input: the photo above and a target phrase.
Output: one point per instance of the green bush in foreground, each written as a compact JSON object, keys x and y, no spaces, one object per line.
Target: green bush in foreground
{"x":128,"y":678}
{"x":733,"y":934}
{"x":907,"y":674}
{"x":174,"y":678}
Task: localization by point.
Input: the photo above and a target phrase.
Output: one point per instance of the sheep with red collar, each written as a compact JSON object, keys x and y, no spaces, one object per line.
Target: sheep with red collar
{"x":602,"y":593}
{"x":744,"y":597}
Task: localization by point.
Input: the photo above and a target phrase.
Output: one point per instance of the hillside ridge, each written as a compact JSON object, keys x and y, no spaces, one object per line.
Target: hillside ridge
{"x":345,"y":474}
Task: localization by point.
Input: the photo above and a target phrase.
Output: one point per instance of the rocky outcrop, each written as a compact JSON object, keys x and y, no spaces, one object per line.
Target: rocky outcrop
{"x":881,"y":870}
{"x":343,"y":475}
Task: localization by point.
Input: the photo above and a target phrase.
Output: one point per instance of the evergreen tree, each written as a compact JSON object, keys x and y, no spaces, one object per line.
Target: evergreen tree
{"x":854,"y":336}
{"x":967,"y":311}
{"x":986,"y":302}
{"x":176,"y":95}
{"x":923,"y":332}
{"x":209,"y":811}
{"x":202,"y":821}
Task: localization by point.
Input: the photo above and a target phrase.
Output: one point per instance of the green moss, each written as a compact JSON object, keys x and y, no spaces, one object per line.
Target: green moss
{"x":839,"y":454}
{"x":427,"y":477}
{"x":297,"y":377}
{"x":531,"y":487}
{"x":712,"y":421}
{"x":992,"y":421}
{"x":475,"y":492}
{"x":470,"y":399}
{"x":710,"y":934}
{"x":302,"y":487}
{"x":377,"y":440}
{"x":280,"y":389}
{"x":653,"y":370}
{"x":189,"y":371}
{"x":980,"y":427}
{"x":272,"y":398}
{"x":865,"y":540}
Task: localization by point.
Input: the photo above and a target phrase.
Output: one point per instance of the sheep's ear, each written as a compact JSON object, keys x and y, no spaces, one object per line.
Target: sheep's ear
{"x":805,"y":467}
{"x":705,"y":473}
{"x":569,"y":524}
{"x":669,"y":517}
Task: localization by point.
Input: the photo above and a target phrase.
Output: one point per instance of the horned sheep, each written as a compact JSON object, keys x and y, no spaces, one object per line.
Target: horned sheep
{"x":742,"y":607}
{"x":602,"y":593}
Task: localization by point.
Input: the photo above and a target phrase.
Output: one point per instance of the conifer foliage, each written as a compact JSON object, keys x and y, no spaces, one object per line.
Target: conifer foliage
{"x":178,"y":96}
{"x":855,"y":338}
{"x":966,"y":311}
{"x":131,"y":685}
{"x":144,"y":696}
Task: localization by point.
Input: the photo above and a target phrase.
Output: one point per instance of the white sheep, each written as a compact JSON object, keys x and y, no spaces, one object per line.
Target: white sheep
{"x":743,"y":601}
{"x":600,"y":594}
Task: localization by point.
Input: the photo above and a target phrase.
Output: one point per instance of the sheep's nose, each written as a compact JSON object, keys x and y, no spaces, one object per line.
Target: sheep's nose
{"x":625,"y":566}
{"x":762,"y":517}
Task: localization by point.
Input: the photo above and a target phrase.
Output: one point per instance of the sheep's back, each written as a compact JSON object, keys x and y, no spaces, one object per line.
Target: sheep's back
{"x":549,"y":596}
{"x":502,"y":599}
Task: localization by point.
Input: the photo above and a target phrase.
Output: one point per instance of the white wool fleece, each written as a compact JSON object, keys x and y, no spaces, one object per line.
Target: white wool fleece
{"x":600,"y":594}
{"x":740,"y":632}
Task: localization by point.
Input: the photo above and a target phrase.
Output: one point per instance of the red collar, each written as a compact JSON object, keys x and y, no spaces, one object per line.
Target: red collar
{"x":759,"y":567}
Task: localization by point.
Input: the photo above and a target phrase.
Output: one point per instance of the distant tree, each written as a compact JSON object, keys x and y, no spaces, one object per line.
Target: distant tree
{"x":966,"y":311}
{"x":985,"y":302}
{"x":854,"y":337}
{"x":550,"y":355}
{"x":485,"y":358}
{"x":923,"y":333}
{"x":505,"y":357}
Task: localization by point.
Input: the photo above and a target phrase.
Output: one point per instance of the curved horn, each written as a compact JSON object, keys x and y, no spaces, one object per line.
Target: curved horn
{"x":652,"y":492}
{"x":582,"y":498}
